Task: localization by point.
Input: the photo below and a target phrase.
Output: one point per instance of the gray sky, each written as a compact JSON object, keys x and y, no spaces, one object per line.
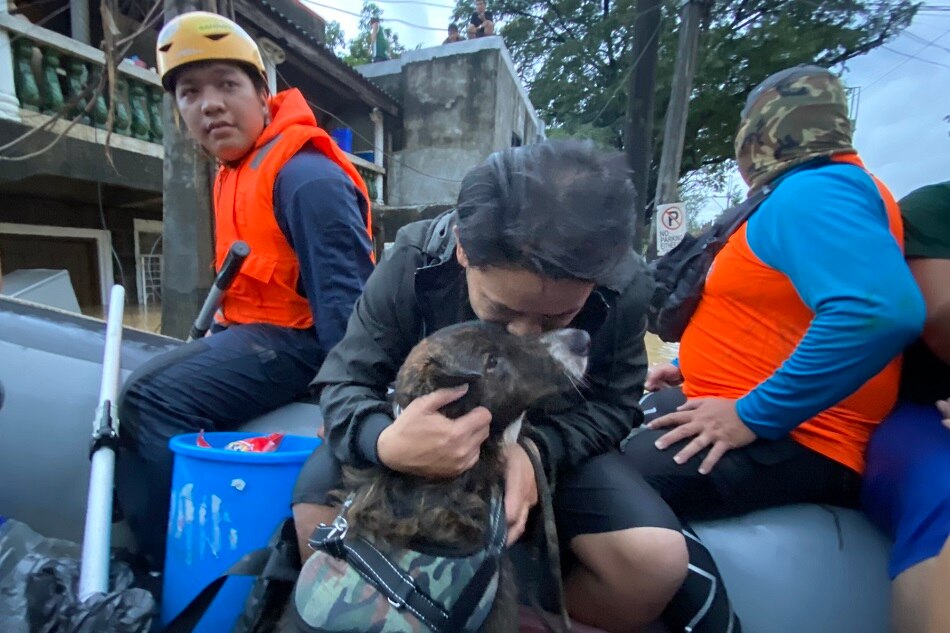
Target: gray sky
{"x":900,"y":130}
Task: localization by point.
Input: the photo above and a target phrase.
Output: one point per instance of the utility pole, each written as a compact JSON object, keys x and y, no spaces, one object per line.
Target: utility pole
{"x":187,"y":250}
{"x":638,"y":123}
{"x":674,"y":133}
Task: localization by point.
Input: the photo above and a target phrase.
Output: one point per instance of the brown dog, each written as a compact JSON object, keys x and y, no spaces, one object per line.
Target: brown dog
{"x":438,"y":534}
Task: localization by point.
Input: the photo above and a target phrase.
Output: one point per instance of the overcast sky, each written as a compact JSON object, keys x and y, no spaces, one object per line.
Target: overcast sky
{"x":904,"y":89}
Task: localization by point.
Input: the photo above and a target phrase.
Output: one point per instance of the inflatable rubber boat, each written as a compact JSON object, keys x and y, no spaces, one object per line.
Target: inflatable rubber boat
{"x":798,"y":569}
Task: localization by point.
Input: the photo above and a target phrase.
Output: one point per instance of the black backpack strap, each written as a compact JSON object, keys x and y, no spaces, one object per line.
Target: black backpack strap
{"x":744,"y":210}
{"x":271,"y":562}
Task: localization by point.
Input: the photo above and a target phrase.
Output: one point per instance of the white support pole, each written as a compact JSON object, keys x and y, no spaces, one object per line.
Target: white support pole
{"x":273,"y":55}
{"x":97,"y":537}
{"x":377,"y":118}
{"x":9,"y":104}
{"x":79,"y":20}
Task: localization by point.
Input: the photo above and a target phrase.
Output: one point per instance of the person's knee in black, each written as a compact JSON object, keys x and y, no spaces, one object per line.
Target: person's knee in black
{"x":655,"y":404}
{"x":689,"y":493}
{"x":701,"y":604}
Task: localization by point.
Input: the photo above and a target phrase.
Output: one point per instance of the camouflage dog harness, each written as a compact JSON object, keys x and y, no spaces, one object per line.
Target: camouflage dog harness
{"x":354,"y":585}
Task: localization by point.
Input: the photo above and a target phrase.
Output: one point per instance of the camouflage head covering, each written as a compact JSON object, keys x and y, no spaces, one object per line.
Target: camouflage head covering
{"x":793,"y":116}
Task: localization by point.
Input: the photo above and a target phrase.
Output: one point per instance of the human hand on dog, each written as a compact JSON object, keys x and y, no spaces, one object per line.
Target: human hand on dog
{"x":521,"y":490}
{"x":712,"y":423}
{"x":423,"y":442}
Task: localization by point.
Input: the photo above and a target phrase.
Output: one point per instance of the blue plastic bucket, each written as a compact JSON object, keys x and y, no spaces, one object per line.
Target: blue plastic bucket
{"x":343,"y":137}
{"x":224,"y":504}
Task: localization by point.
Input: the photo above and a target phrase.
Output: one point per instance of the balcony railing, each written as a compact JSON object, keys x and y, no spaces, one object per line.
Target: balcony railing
{"x":42,"y":72}
{"x":373,"y":175}
{"x":51,"y":71}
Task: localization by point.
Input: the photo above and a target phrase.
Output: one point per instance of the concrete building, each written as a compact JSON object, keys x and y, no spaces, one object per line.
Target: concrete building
{"x":69,"y":200}
{"x":460,"y":102}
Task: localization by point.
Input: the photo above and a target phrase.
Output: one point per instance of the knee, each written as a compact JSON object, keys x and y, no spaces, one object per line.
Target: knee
{"x":642,"y":453}
{"x":133,"y":400}
{"x":656,"y":557}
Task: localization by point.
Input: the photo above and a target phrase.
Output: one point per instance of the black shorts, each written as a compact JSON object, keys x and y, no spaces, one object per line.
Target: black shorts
{"x":763,"y":474}
{"x":602,"y":494}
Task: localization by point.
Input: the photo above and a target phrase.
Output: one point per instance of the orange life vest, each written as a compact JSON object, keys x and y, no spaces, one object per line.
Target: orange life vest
{"x":266,"y":289}
{"x":749,"y":321}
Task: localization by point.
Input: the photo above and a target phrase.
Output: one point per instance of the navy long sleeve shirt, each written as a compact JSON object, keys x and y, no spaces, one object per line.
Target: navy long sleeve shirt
{"x":322,"y":214}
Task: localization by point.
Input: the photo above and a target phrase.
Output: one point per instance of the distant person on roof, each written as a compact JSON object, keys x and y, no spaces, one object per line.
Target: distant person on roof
{"x":378,"y":42}
{"x":482,"y":23}
{"x":453,"y":35}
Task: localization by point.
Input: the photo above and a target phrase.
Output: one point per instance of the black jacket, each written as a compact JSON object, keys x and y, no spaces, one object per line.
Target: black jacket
{"x":419,"y":288}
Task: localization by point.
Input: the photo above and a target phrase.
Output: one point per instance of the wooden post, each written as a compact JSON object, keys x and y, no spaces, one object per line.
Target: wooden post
{"x":187,"y":238}
{"x":638,"y":124}
{"x":694,"y":12}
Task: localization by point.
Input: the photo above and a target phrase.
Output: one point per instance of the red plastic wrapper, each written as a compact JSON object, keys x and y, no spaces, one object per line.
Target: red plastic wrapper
{"x":263,"y":444}
{"x":201,"y":441}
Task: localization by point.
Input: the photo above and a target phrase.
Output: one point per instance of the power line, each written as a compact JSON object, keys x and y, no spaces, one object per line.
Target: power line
{"x":921,"y":40}
{"x":904,"y":61}
{"x":920,"y":59}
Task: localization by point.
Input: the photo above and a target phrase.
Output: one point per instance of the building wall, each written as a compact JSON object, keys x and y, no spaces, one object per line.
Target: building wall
{"x":460,"y":103}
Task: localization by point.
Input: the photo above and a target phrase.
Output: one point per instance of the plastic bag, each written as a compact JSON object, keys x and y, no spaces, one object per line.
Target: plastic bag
{"x":39,"y":578}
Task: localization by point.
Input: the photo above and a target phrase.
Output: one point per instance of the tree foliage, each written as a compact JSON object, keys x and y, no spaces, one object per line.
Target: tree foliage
{"x":575,"y":56}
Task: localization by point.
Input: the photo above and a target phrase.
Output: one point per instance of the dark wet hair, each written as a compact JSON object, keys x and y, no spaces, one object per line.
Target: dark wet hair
{"x":453,"y":27}
{"x":561,"y":209}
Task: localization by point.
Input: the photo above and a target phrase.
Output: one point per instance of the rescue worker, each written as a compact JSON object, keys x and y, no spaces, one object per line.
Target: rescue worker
{"x":285,"y":188}
{"x":541,"y":238}
{"x":907,"y":483}
{"x":791,"y":358}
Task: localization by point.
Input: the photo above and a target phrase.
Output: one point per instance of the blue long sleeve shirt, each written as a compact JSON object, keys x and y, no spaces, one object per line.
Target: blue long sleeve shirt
{"x":322,"y":215}
{"x":827,"y":230}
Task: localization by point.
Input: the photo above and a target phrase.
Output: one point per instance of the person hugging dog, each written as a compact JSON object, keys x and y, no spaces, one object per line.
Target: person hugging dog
{"x":541,"y":239}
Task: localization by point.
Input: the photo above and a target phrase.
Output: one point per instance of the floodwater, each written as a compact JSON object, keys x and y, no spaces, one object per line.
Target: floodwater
{"x":660,"y":352}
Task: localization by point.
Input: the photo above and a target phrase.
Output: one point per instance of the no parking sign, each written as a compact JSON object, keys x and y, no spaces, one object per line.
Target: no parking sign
{"x":670,"y":226}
